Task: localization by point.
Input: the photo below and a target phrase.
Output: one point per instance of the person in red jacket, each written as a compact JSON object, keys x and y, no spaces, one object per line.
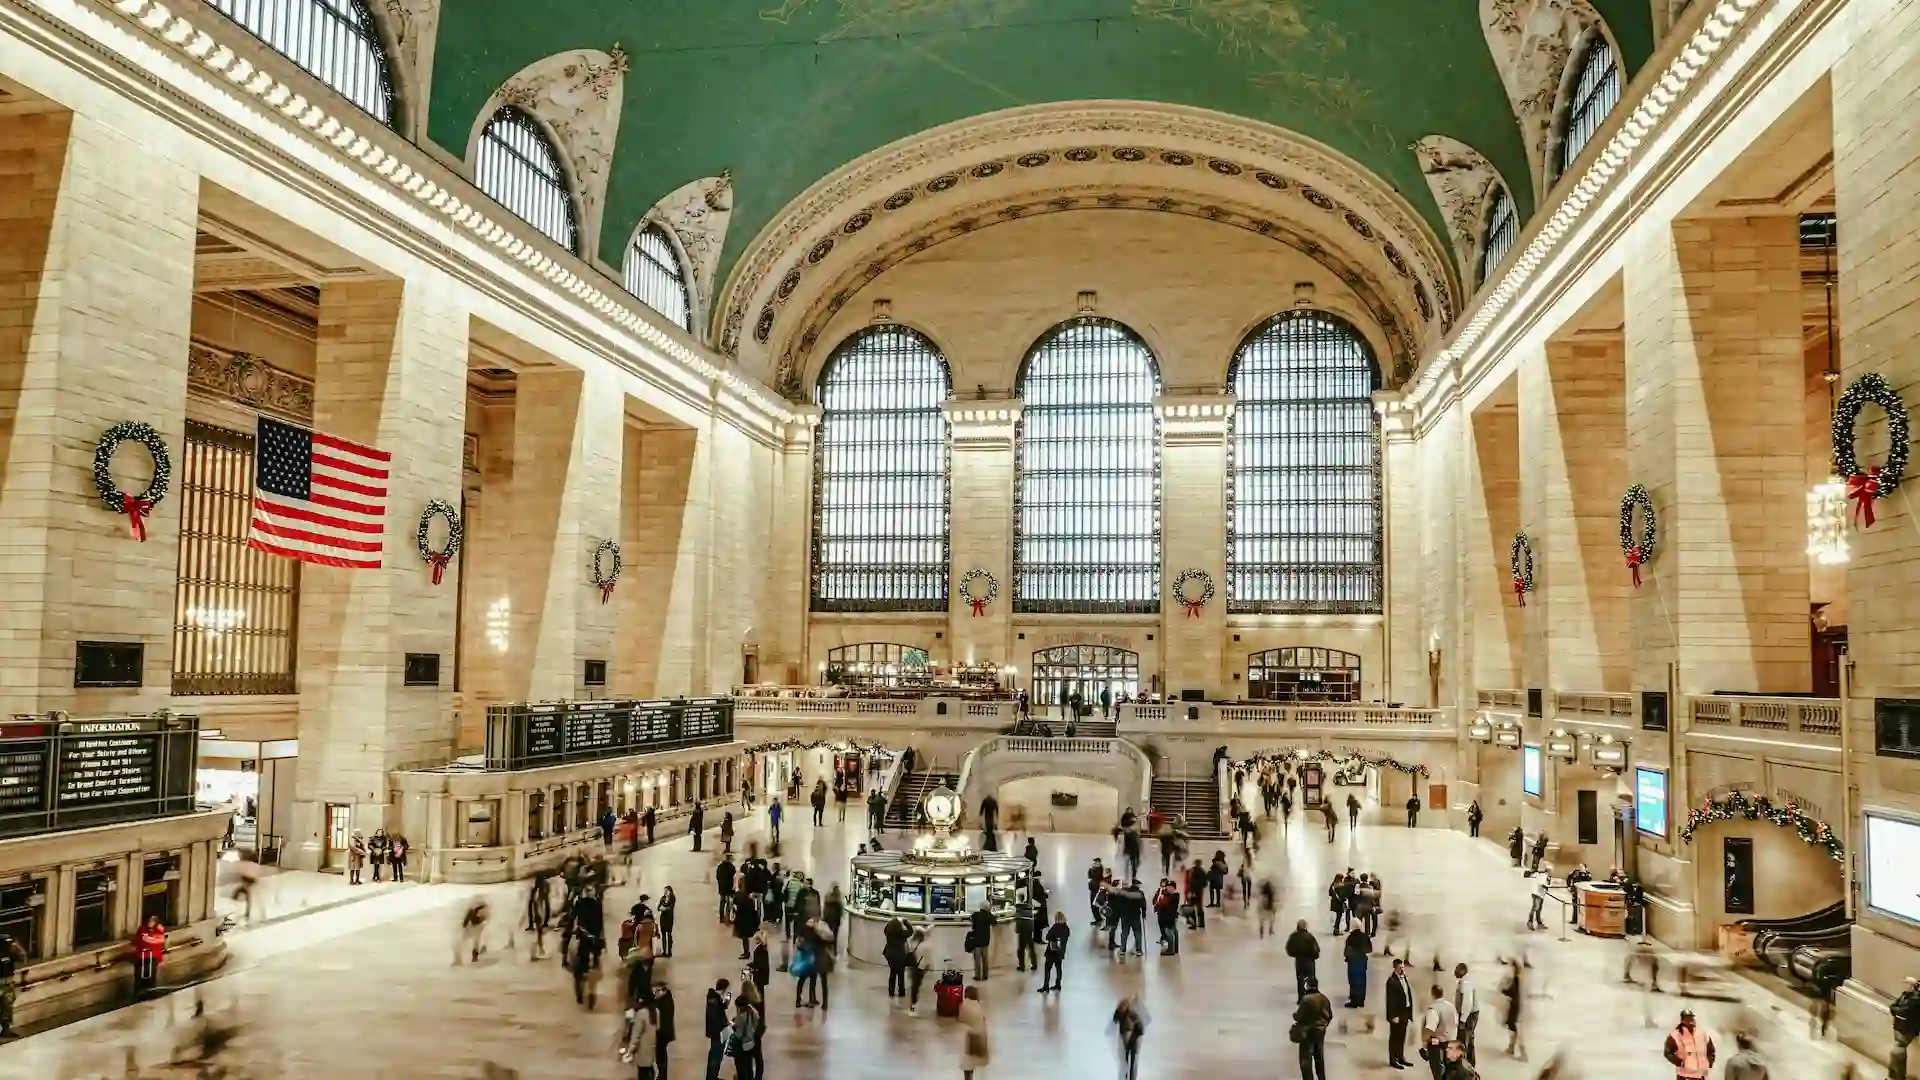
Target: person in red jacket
{"x":149,"y":948}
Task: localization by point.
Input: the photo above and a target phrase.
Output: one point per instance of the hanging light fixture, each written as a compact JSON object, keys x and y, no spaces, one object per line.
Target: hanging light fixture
{"x":1827,"y":500}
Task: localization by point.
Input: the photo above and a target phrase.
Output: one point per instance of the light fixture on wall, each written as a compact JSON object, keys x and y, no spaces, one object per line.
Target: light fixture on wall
{"x":1827,"y":500}
{"x":500,"y":624}
{"x":1088,"y":300}
{"x":1303,"y":294}
{"x":883,"y":311}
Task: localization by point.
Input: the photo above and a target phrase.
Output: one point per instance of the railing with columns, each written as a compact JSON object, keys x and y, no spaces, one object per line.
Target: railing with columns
{"x":931,"y":710}
{"x":1204,"y":714}
{"x":1577,"y":703}
{"x":1801,"y":716}
{"x":1501,"y":700}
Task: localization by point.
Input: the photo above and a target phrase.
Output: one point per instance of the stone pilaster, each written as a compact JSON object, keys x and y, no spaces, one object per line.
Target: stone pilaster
{"x":657,"y":639}
{"x":1493,"y":516}
{"x":1193,"y":531}
{"x":982,"y":507}
{"x":391,"y":370}
{"x":787,"y":589}
{"x":1411,"y":633}
{"x":96,"y":283}
{"x":1716,"y":433}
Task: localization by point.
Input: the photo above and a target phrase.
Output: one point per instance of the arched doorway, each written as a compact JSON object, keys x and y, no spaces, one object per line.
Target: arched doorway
{"x":1306,"y":674}
{"x":1063,"y":671}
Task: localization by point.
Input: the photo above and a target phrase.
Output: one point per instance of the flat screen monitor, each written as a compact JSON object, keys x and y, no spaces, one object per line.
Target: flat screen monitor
{"x":943,"y":896}
{"x":910,"y":898}
{"x":1530,"y":769}
{"x":1893,"y":866}
{"x":1650,"y":800}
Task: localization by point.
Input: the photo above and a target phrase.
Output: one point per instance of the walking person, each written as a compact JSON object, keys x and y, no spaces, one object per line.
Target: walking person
{"x":1399,"y":1015}
{"x":1269,"y":901}
{"x":649,"y":820}
{"x":1438,"y":1028}
{"x":1311,"y":1018}
{"x":1332,"y":820}
{"x":1688,"y":1049}
{"x":919,"y":961}
{"x":1130,"y":1022}
{"x":980,"y":938}
{"x":774,"y":813}
{"x":1535,"y":919}
{"x":726,"y":832}
{"x":1745,"y":1064}
{"x":974,"y":1052}
{"x":641,"y":1046}
{"x":1305,"y":950}
{"x":1474,"y":818}
{"x":1466,"y":1005}
{"x":1454,"y":1064}
{"x":1357,"y":952}
{"x":895,"y":952}
{"x":1023,"y":943}
{"x":696,"y":823}
{"x":718,"y":1026}
{"x":1353,"y":811}
{"x":723,"y":885}
{"x":744,"y":1043}
{"x":1513,"y":990}
{"x":1055,"y":952}
{"x":819,"y":801}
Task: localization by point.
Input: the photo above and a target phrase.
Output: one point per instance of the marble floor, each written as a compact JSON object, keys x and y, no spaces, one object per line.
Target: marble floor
{"x":368,"y":990}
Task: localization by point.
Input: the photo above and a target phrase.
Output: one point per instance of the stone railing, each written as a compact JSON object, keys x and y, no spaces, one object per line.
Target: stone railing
{"x":1204,"y":715}
{"x":932,"y":710}
{"x":1573,"y":703}
{"x":1035,"y":745}
{"x":1802,"y":716}
{"x":1501,"y":700}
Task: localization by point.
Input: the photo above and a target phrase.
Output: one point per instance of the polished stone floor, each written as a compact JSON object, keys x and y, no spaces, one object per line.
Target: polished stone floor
{"x":367,"y":990}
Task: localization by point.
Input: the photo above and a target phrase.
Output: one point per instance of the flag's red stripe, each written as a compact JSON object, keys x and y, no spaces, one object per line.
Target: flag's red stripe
{"x":349,"y":505}
{"x":280,"y":509}
{"x":323,"y":480}
{"x":334,"y":442}
{"x":354,"y":467}
{"x":308,"y":556}
{"x":322,"y":539}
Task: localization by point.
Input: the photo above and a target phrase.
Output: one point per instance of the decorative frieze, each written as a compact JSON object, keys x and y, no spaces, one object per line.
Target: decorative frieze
{"x":245,"y":380}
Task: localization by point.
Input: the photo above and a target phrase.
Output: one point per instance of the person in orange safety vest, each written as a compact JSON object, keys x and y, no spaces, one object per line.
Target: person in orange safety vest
{"x":1689,"y":1050}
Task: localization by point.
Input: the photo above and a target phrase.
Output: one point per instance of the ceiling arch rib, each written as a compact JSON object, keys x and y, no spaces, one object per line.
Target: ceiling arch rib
{"x":1194,"y":160}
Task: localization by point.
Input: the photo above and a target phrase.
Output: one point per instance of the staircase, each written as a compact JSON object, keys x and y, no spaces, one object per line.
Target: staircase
{"x":1199,"y":800}
{"x":903,"y":811}
{"x":1092,"y":729}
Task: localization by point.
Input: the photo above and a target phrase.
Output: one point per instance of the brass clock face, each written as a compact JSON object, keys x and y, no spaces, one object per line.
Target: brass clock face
{"x":943,"y":808}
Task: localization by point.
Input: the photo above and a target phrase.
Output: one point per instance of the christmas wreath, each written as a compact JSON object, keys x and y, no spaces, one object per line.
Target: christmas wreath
{"x":976,"y":600}
{"x":1520,"y":559}
{"x":1193,"y":603}
{"x":135,"y":507}
{"x":609,"y":576}
{"x":1742,"y":806}
{"x":438,"y":559}
{"x":1864,"y":486}
{"x":1638,"y":550}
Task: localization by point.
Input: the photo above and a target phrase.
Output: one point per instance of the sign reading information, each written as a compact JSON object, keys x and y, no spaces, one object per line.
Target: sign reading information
{"x":69,"y":773}
{"x":556,"y":732}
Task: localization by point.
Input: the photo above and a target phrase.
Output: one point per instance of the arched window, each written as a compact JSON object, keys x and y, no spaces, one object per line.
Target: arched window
{"x":653,"y":273}
{"x":334,"y":40}
{"x":1303,"y":674}
{"x":880,"y":530}
{"x":1596,"y":90}
{"x":518,"y":166}
{"x":1086,"y":513}
{"x":1503,"y":228}
{"x":1303,"y":502}
{"x":1086,"y":672}
{"x":878,"y":663}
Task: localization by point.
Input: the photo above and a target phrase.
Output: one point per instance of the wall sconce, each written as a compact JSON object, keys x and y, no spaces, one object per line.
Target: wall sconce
{"x":500,"y":624}
{"x":883,"y":311}
{"x":1303,"y":294}
{"x":1088,"y":300}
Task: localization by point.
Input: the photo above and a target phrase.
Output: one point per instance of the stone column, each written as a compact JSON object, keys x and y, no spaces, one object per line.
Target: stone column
{"x":96,"y":287}
{"x":391,"y":372}
{"x":657,"y":641}
{"x":1493,"y":517}
{"x":1409,"y":631}
{"x":981,"y":522}
{"x":1573,"y":472}
{"x":1716,"y":433}
{"x":1193,"y":531}
{"x":787,"y":590}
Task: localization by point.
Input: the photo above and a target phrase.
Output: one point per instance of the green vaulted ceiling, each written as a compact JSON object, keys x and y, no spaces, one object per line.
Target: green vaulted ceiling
{"x":782,"y":92}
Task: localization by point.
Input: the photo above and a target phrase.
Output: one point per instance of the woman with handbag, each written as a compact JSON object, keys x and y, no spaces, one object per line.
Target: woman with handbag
{"x":973,"y":1020}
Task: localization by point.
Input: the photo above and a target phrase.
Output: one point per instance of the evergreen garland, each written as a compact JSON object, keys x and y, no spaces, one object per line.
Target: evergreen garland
{"x":1741,"y":806}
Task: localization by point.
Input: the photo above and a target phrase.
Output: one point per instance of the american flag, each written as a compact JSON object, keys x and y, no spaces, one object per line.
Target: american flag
{"x":318,"y":498}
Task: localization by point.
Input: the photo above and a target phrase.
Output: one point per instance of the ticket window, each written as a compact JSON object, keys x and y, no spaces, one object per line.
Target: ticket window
{"x":477,"y":823}
{"x":582,"y":815}
{"x":560,"y":813}
{"x":536,"y":815}
{"x":23,"y":915}
{"x":606,"y":798}
{"x":93,"y":893}
{"x":703,"y":781}
{"x":160,"y":889}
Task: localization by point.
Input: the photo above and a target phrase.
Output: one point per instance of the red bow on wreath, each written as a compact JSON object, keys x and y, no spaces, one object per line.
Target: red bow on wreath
{"x":439,"y":564}
{"x":979,"y":607}
{"x":1635,"y":557}
{"x":606,"y":592}
{"x":1193,"y":607}
{"x":136,"y":509}
{"x":1863,"y":489}
{"x":1520,"y":589}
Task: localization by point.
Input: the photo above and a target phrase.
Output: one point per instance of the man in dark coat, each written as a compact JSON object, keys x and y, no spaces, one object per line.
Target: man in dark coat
{"x":717,"y":1020}
{"x":1305,"y":950}
{"x":723,"y":882}
{"x":696,"y":823}
{"x":648,"y":819}
{"x":1399,"y":1015}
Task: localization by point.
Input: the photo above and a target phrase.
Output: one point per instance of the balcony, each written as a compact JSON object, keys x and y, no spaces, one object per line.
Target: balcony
{"x":1182,"y":716}
{"x":883,"y":712}
{"x":1787,"y":719}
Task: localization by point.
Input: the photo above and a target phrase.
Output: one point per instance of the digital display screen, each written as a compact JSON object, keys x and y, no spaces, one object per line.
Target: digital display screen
{"x":910,"y":898}
{"x":944,"y":898}
{"x":1893,"y":866}
{"x":1530,"y":781}
{"x":1650,"y":801}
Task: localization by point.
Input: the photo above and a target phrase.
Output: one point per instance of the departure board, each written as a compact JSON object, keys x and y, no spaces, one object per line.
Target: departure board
{"x":59,"y":773}
{"x":550,"y":733}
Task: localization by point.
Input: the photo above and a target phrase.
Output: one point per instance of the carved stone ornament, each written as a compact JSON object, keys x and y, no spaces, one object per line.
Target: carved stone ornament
{"x":1462,"y":180}
{"x":1531,"y":42}
{"x":577,"y":94}
{"x":698,"y":214}
{"x":240,"y":378}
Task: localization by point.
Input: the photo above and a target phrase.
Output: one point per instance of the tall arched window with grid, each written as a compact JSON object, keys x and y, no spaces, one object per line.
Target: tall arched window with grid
{"x":653,"y":274}
{"x":1503,"y":228}
{"x":517,"y":165}
{"x":880,"y":512}
{"x":1596,"y":90}
{"x":336,"y":41}
{"x":1087,"y":494}
{"x":1303,"y":504}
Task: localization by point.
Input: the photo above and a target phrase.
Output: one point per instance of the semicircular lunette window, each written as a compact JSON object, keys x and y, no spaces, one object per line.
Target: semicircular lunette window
{"x":1303,"y":510}
{"x":1087,"y":490}
{"x":336,"y":41}
{"x":880,"y":525}
{"x":653,"y":274}
{"x":517,"y":165}
{"x":1596,"y":90}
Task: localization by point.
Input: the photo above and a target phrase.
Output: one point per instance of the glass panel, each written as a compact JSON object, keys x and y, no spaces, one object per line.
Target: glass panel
{"x":1085,"y":673}
{"x":1503,"y":228}
{"x":880,"y":476}
{"x":92,"y":908}
{"x":1087,"y":496}
{"x":654,"y":275}
{"x":517,"y":165}
{"x":873,"y":664}
{"x":1303,"y":509}
{"x":334,"y":40}
{"x":1303,"y":675}
{"x":235,"y":608}
{"x":1595,"y":93}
